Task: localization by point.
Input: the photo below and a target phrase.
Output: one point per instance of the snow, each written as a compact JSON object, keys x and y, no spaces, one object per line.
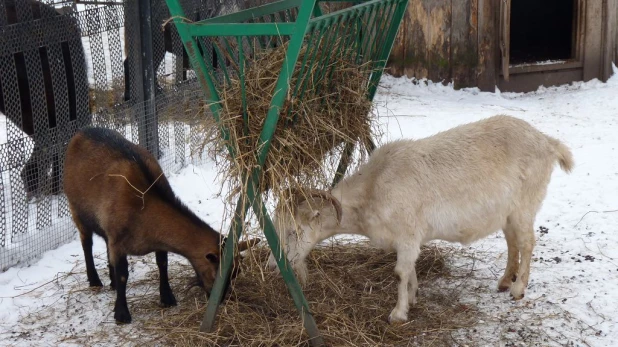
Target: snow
{"x":571,"y":298}
{"x":542,"y":62}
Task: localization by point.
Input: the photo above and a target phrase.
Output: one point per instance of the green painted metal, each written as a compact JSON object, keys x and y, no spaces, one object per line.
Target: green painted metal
{"x":302,"y":25}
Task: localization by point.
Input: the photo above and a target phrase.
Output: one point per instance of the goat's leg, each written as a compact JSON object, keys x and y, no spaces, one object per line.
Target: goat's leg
{"x":413,"y":287}
{"x":512,"y":263}
{"x":112,"y":274}
{"x":86,"y":238}
{"x":167,"y":297}
{"x":406,"y":259}
{"x":525,"y":243}
{"x":121,"y":266}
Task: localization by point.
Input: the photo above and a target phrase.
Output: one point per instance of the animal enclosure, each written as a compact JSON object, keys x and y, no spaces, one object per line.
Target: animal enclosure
{"x":516,"y":45}
{"x":66,"y":64}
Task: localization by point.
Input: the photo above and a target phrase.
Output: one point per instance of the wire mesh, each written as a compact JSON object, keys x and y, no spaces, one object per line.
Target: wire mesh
{"x":64,"y":66}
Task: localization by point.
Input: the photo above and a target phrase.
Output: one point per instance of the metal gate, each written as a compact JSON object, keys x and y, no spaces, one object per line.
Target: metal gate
{"x":67,"y":64}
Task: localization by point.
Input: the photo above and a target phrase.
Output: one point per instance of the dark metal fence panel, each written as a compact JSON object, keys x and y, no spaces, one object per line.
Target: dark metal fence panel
{"x":65,"y":65}
{"x":43,"y":97}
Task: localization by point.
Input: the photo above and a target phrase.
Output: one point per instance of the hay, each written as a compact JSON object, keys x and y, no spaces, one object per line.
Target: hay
{"x":351,"y":290}
{"x":312,"y":129}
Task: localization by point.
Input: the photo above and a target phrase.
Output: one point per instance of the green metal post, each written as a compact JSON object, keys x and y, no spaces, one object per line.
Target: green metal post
{"x":240,"y":25}
{"x":389,"y":42}
{"x":225,"y":269}
{"x":287,"y":273}
{"x":268,"y":130}
{"x":343,"y":163}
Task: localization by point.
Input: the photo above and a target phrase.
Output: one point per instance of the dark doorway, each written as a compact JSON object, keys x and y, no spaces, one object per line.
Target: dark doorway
{"x":542,"y":30}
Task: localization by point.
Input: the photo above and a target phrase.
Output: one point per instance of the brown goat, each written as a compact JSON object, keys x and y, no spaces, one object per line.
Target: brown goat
{"x":104,"y":177}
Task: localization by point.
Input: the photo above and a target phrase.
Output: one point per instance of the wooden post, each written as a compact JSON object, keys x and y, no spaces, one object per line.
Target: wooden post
{"x":488,"y":48}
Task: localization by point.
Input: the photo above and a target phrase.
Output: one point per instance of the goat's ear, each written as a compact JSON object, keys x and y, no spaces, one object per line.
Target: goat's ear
{"x":213,"y":258}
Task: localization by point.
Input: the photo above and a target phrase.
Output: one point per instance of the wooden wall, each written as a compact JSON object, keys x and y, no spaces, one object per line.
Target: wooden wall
{"x":610,"y":37}
{"x":457,"y":40}
{"x":439,"y":40}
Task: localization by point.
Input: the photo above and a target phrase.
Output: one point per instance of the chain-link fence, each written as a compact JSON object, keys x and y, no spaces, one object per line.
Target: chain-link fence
{"x":67,"y":64}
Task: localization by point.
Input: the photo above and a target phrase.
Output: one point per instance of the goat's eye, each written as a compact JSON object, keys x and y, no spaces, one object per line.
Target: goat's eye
{"x":212,"y":257}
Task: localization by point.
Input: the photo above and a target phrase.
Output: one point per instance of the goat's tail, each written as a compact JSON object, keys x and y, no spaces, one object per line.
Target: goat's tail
{"x":565,"y":157}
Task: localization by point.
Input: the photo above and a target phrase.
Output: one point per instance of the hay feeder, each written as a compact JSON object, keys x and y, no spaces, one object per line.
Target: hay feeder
{"x":292,"y":81}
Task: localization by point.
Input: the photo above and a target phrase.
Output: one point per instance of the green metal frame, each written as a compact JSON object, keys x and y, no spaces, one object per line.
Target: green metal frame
{"x":300,"y":22}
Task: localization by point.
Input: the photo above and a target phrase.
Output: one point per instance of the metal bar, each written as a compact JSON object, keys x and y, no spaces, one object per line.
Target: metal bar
{"x":258,"y":11}
{"x":317,"y":12}
{"x":268,"y":131}
{"x":197,"y":62}
{"x":283,"y":82}
{"x":245,"y":29}
{"x":243,"y":90}
{"x":386,"y":51}
{"x":327,"y":52}
{"x":147,"y":125}
{"x":265,"y":138}
{"x":344,"y":162}
{"x":370,"y":29}
{"x":297,"y":31}
{"x":301,"y":75}
{"x":352,"y":10}
{"x":225,"y":270}
{"x":221,"y":57}
{"x":286,"y":271}
{"x":379,"y":28}
{"x":392,"y":9}
{"x":316,"y":47}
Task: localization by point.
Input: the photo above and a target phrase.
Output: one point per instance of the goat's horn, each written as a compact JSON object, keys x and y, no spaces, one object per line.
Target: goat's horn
{"x":324,"y":195}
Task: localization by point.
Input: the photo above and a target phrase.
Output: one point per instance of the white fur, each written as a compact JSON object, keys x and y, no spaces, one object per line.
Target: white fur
{"x":459,"y":185}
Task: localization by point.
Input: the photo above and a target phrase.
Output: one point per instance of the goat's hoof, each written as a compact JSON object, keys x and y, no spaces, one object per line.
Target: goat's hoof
{"x":122,"y":317}
{"x":505,"y":283}
{"x":168,"y":300}
{"x":396,"y":318}
{"x":517,"y":290}
{"x":516,"y":298}
{"x":96,"y":283}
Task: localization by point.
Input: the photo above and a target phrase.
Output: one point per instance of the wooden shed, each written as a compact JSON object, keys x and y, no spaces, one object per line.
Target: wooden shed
{"x":516,"y":45}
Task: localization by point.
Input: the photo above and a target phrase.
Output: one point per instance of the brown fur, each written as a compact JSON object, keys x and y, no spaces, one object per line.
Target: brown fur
{"x":100,"y":169}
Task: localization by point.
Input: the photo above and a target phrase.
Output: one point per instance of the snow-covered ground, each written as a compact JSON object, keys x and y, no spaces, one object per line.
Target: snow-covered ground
{"x":572,"y":297}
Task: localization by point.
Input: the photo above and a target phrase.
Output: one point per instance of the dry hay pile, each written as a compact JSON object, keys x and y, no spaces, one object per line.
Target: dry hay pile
{"x":351,"y":291}
{"x":311,"y":130}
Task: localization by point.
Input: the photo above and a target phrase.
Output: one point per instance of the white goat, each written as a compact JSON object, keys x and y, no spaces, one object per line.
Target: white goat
{"x":459,"y":185}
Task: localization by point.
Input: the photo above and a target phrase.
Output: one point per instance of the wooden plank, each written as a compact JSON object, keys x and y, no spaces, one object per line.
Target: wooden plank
{"x":395,"y":64}
{"x":520,"y":83}
{"x":592,"y":46}
{"x":610,"y":9}
{"x":428,"y":39}
{"x":464,"y":43}
{"x":487,"y":45}
{"x":505,"y":37}
{"x":568,"y":65}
